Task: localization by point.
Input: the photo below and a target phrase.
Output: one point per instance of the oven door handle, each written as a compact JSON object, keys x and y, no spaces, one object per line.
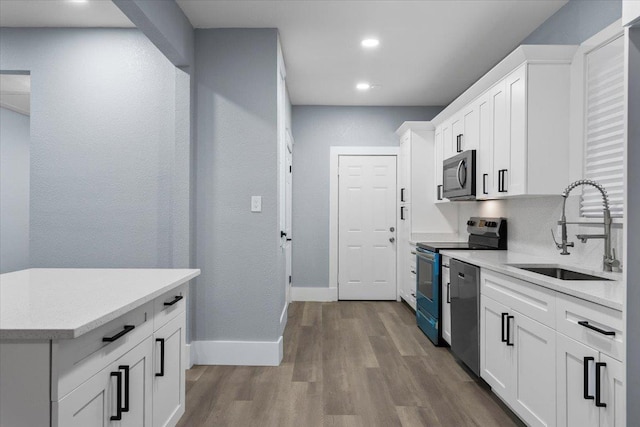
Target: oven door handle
{"x":425,"y":255}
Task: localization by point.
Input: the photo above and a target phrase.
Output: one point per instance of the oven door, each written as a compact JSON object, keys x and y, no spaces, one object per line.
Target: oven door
{"x":459,"y":182}
{"x":428,"y":281}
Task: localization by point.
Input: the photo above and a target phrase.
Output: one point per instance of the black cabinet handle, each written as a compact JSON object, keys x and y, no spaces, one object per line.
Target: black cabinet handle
{"x":599,"y":403}
{"x":501,"y":181}
{"x":126,"y":330}
{"x":510,"y":344}
{"x":174,"y":300}
{"x":439,"y":192}
{"x":161,"y":373}
{"x":118,"y":415}
{"x":414,"y":272}
{"x":593,"y":328}
{"x":459,"y":143}
{"x":503,"y":338}
{"x":586,"y":394}
{"x":402,"y":194}
{"x":484,"y":183}
{"x":125,"y":368}
{"x":402,"y":213}
{"x":283,"y":234}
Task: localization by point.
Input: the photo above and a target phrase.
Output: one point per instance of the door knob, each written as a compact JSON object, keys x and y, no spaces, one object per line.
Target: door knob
{"x":392,"y":239}
{"x":392,"y":229}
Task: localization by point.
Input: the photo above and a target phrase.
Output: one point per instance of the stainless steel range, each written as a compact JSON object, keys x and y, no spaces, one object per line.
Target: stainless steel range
{"x":484,"y":234}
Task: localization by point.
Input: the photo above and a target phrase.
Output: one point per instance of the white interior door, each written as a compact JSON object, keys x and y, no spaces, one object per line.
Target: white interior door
{"x":367,"y":228}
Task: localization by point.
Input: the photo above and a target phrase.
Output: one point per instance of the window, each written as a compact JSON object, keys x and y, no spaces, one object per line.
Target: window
{"x":604,"y":127}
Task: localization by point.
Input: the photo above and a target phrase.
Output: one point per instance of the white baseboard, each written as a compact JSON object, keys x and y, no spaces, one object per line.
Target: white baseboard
{"x":283,"y":318}
{"x":237,"y":353}
{"x":188,"y":356}
{"x":321,"y":294}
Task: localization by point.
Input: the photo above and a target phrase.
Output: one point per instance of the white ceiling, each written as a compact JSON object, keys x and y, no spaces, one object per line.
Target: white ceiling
{"x":430,"y":51}
{"x":61,"y":13}
{"x":15,"y":92}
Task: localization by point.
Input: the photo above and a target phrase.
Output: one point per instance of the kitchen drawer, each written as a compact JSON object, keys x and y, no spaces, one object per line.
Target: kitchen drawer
{"x":570,"y":311}
{"x":526,"y":298}
{"x":74,"y":361}
{"x":169,"y":305}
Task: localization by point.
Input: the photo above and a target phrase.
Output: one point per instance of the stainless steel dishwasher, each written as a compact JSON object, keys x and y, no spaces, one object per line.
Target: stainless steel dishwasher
{"x":465,"y":313}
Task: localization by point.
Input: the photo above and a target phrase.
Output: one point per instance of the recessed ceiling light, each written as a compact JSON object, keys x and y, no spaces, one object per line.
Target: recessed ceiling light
{"x":363,"y":86}
{"x":78,"y":1}
{"x":370,"y":43}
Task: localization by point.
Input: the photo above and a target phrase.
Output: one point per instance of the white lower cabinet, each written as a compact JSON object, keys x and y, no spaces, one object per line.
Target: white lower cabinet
{"x":119,"y":395}
{"x":445,"y":297}
{"x":518,"y":361}
{"x":554,"y":366}
{"x":168,"y":373}
{"x":590,"y":386}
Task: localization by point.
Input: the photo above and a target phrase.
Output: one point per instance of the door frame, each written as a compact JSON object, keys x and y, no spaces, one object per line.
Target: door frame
{"x":335,"y":153}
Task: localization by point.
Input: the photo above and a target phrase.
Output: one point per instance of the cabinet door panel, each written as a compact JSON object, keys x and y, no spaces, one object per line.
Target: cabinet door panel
{"x":516,"y":179}
{"x":89,"y":405}
{"x":448,"y":140}
{"x":501,"y":152}
{"x":471,"y":128}
{"x":139,"y":362}
{"x":573,"y":408}
{"x":496,"y":358}
{"x":168,"y":389}
{"x":613,"y":393}
{"x":446,"y":304}
{"x":535,"y":371}
{"x":484,"y":158}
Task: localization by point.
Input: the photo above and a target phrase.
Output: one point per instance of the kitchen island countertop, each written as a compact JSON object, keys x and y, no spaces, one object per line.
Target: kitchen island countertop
{"x":64,"y":303}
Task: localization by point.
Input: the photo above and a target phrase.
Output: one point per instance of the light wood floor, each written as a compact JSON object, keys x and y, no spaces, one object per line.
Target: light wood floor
{"x":345,"y":364}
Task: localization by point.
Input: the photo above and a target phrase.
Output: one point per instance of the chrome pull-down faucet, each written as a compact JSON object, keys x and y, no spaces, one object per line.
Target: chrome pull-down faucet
{"x":609,"y":261}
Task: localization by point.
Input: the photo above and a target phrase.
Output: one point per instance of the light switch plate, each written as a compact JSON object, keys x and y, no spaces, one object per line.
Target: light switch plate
{"x":256,"y":203}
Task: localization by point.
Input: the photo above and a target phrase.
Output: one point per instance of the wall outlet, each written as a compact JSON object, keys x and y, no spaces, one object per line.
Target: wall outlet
{"x":256,"y":203}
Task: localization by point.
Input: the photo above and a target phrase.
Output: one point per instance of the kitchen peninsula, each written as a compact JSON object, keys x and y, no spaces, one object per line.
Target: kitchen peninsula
{"x":88,"y":346}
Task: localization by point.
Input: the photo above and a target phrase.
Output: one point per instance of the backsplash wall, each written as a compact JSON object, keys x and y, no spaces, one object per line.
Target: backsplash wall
{"x":530,"y":221}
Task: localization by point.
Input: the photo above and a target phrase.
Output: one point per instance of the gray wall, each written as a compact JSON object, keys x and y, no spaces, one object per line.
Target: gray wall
{"x":238,"y":295}
{"x":165,"y":24}
{"x":108,"y":185}
{"x":315,"y":129}
{"x":14,"y":191}
{"x":576,"y":21}
{"x":633,"y":232}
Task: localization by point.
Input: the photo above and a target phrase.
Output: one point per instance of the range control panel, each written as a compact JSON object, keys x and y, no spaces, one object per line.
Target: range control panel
{"x":481,"y":226}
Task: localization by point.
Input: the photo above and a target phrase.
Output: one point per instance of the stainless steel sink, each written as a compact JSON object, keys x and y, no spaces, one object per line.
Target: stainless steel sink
{"x":559,"y":272}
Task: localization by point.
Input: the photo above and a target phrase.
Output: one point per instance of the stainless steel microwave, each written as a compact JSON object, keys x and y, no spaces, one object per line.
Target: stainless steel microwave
{"x":459,"y":176}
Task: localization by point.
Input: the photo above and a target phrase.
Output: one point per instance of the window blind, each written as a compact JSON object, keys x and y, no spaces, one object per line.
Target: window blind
{"x":604,"y":128}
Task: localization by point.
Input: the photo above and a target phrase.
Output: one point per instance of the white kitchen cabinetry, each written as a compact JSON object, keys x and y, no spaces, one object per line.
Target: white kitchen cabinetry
{"x":439,"y":158}
{"x":588,"y":375}
{"x":517,"y":353}
{"x":549,"y":356}
{"x":407,"y":276}
{"x":97,"y":402}
{"x":517,"y":117}
{"x":630,"y":13}
{"x":445,"y":297}
{"x":108,"y":376}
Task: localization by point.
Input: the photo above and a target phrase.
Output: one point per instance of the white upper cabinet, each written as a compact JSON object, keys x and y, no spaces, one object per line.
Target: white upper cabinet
{"x":517,"y":118}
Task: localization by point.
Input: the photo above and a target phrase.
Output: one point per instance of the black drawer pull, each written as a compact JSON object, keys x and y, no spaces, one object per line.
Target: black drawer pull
{"x":599,"y":403}
{"x":602,"y":331}
{"x":503,"y":338}
{"x":586,"y":394}
{"x":484,"y":183}
{"x":118,"y":415}
{"x":414,"y":272}
{"x":161,"y":373}
{"x":125,"y":368}
{"x":448,"y":293}
{"x":510,"y":344}
{"x":175,"y":300}
{"x":126,"y":330}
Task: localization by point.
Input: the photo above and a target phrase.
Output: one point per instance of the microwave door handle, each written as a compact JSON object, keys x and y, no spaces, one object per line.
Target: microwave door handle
{"x":458,"y":173}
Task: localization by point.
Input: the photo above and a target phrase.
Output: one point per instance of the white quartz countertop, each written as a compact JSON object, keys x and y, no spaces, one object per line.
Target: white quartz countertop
{"x":64,"y":303}
{"x":607,"y":293}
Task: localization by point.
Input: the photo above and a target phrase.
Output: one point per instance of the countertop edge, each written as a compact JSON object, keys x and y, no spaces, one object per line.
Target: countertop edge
{"x":501,"y":269}
{"x":71,"y":333}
